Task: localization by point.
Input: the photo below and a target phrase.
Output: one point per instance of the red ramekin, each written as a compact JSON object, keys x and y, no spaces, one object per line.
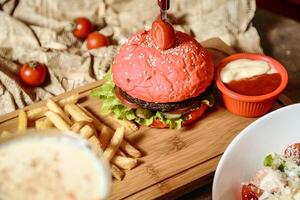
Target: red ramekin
{"x":250,"y":106}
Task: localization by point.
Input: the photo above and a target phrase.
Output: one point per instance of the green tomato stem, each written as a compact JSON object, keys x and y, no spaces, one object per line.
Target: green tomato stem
{"x":32,"y":64}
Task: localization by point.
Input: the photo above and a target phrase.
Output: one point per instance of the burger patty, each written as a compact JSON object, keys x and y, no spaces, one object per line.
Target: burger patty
{"x":163,"y":107}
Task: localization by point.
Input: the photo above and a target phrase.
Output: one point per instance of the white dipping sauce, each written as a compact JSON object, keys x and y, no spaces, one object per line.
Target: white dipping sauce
{"x":49,"y":168}
{"x":245,"y":68}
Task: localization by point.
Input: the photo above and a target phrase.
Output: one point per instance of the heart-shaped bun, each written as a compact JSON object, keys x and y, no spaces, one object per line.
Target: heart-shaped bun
{"x":146,"y":72}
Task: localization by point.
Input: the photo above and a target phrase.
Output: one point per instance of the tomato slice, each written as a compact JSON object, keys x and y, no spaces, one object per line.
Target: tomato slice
{"x":251,"y":192}
{"x":188,"y":118}
{"x":158,"y":124}
{"x":163,"y":34}
{"x":193,"y":116}
{"x":125,"y":101}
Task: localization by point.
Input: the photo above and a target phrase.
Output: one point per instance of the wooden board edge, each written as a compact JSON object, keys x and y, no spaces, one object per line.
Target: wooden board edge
{"x":80,"y":90}
{"x":284,"y":100}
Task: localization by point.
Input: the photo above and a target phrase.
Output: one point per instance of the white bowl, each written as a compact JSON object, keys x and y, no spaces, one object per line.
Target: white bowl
{"x":244,"y":156}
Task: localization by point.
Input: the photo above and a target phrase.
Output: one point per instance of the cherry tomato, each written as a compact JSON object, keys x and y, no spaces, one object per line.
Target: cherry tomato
{"x":33,"y":74}
{"x":193,"y":116}
{"x":250,"y":192}
{"x":158,"y":124}
{"x":163,"y":34}
{"x":124,"y":100}
{"x":96,"y":40}
{"x":83,"y":27}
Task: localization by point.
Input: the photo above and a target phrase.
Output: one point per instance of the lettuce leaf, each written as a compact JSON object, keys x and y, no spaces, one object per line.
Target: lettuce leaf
{"x":111,"y":104}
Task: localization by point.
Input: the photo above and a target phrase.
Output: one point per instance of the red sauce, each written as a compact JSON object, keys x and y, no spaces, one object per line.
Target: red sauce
{"x":257,"y":85}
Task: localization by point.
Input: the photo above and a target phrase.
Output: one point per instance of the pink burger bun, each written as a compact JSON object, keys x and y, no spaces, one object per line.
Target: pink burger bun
{"x":148,"y":73}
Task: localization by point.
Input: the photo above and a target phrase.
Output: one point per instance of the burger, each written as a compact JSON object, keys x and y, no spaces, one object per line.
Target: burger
{"x":159,"y":78}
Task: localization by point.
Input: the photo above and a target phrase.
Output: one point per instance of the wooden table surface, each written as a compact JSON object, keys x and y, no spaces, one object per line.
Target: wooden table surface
{"x":280,"y":39}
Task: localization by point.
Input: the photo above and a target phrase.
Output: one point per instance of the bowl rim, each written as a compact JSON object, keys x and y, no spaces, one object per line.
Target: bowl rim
{"x":252,"y":56}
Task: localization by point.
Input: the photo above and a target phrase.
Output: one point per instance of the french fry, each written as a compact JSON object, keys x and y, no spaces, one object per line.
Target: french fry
{"x":130,"y":126}
{"x":43,"y":123}
{"x":51,"y":105}
{"x":72,"y":99}
{"x":124,"y":162}
{"x":78,"y":125}
{"x":57,"y":121}
{"x":5,"y":134}
{"x":121,"y":153}
{"x":22,"y":124}
{"x":121,"y":161}
{"x":114,"y":144}
{"x":76,"y":113}
{"x":117,"y":173}
{"x":105,"y":136}
{"x":105,"y":132}
{"x":98,"y":125}
{"x":96,"y":147}
{"x":87,"y":131}
{"x":130,"y":150}
{"x":39,"y":112}
{"x":36,"y":113}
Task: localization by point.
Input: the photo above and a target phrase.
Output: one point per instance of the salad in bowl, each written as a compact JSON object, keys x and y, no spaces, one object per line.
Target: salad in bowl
{"x":279,"y":179}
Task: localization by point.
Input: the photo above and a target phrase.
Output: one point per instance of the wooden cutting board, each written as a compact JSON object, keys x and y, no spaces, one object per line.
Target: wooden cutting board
{"x":175,"y":161}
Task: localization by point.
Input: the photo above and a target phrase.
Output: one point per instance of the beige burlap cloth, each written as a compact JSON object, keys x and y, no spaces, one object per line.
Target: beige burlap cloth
{"x":39,"y":30}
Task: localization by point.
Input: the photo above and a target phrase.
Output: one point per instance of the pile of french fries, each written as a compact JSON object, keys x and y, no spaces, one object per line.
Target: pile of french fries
{"x":67,"y":115}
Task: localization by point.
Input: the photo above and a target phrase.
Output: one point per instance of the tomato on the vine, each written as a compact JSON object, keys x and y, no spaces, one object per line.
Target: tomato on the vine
{"x":33,"y":74}
{"x":82,"y":27}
